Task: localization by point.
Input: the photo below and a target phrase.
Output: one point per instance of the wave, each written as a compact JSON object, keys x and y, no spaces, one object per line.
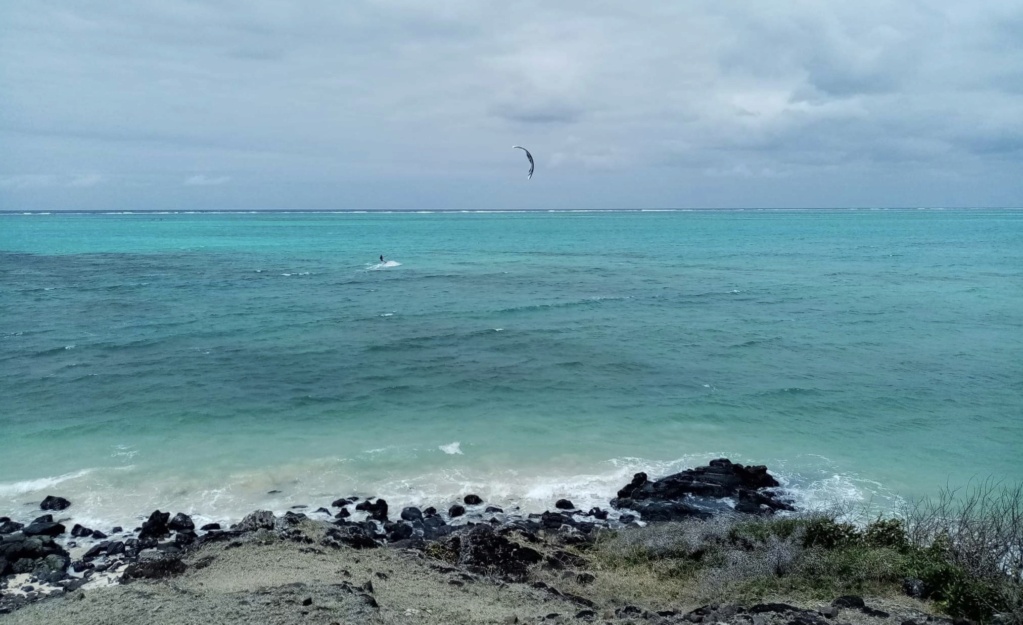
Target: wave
{"x":123,"y":495}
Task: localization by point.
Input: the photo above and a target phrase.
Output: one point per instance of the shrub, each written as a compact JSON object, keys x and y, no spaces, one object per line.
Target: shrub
{"x":827,"y":533}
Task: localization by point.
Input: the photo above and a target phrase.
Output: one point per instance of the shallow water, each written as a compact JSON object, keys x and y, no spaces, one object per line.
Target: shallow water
{"x":198,"y":361}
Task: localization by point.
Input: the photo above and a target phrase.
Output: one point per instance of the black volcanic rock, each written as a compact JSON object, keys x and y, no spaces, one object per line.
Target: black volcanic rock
{"x":483,"y":550}
{"x":181,"y":523}
{"x":210,"y":527}
{"x":44,"y":529}
{"x":472,"y":500}
{"x":54,"y":503}
{"x":8,"y":526}
{"x":701,"y":491}
{"x":156,"y":525}
{"x":412,"y":514}
{"x":377,"y":509}
{"x":456,"y":510}
{"x":564,"y":504}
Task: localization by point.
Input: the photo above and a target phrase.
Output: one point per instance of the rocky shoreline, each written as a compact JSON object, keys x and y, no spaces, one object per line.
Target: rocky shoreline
{"x":468,"y":542}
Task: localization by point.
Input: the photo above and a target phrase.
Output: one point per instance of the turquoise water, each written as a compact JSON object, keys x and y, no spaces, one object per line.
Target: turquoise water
{"x":198,"y":361}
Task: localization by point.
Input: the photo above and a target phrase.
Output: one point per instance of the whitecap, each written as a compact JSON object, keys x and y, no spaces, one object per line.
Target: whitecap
{"x":28,"y":486}
{"x":452,"y":449}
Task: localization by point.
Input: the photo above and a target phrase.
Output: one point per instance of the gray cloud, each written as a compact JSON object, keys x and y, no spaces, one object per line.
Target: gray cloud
{"x":395,"y":103}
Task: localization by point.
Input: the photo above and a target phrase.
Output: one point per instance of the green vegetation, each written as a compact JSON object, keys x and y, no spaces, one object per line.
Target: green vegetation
{"x":962,"y":551}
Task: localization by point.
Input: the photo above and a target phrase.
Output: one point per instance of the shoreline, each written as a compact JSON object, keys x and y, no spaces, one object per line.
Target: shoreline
{"x":361,"y":561}
{"x":66,"y":557}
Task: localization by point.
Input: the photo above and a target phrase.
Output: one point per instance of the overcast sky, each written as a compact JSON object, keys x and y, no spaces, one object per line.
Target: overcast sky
{"x":253,"y":104}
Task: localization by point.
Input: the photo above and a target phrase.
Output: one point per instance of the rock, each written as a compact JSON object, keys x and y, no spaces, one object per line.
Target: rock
{"x":154,"y":569}
{"x":343,"y":513}
{"x":210,"y":527}
{"x":181,"y":523}
{"x":703,"y":489}
{"x":54,"y":503}
{"x":482,"y":550}
{"x":472,"y":500}
{"x":431,"y":511}
{"x":44,"y":529}
{"x":398,"y":531}
{"x":115,"y":547}
{"x":564,"y":504}
{"x":629,"y":611}
{"x":95,"y":551}
{"x":117,"y":529}
{"x":183,"y":538}
{"x":597,"y":513}
{"x":352,"y":535}
{"x":493,"y":510}
{"x":412,"y":514}
{"x":554,"y":520}
{"x":322,"y":511}
{"x":829,"y":611}
{"x":663,"y":510}
{"x":46,"y":518}
{"x":869,"y":611}
{"x":8,"y":526}
{"x":80,"y":532}
{"x":340,"y":503}
{"x":849,"y":601}
{"x":456,"y":510}
{"x":914,"y":588}
{"x":377,"y":509}
{"x":156,"y":525}
{"x":585,"y":578}
{"x":761,"y":608}
{"x":260,"y":519}
{"x":586,"y":615}
{"x":98,"y":534}
{"x":273,"y":492}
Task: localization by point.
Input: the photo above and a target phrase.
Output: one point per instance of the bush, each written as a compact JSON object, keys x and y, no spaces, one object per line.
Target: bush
{"x":827,"y":533}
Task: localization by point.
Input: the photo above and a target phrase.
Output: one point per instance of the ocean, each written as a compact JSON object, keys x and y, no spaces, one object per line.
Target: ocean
{"x":216,"y":363}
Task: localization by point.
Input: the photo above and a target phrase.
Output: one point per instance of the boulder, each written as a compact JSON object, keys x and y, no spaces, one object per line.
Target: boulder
{"x":472,"y":500}
{"x":80,"y":532}
{"x":154,"y":569}
{"x":156,"y":525}
{"x":377,"y":509}
{"x":260,"y":519}
{"x":564,"y":504}
{"x":704,"y":490}
{"x":482,"y":550}
{"x":181,"y":523}
{"x":398,"y":531}
{"x":210,"y":527}
{"x":411,"y":514}
{"x":8,"y":526}
{"x":54,"y":503}
{"x":44,"y":529}
{"x":46,"y":518}
{"x":456,"y":510}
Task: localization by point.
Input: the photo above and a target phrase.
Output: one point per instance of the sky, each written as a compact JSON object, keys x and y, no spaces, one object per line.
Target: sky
{"x":402,"y":104}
